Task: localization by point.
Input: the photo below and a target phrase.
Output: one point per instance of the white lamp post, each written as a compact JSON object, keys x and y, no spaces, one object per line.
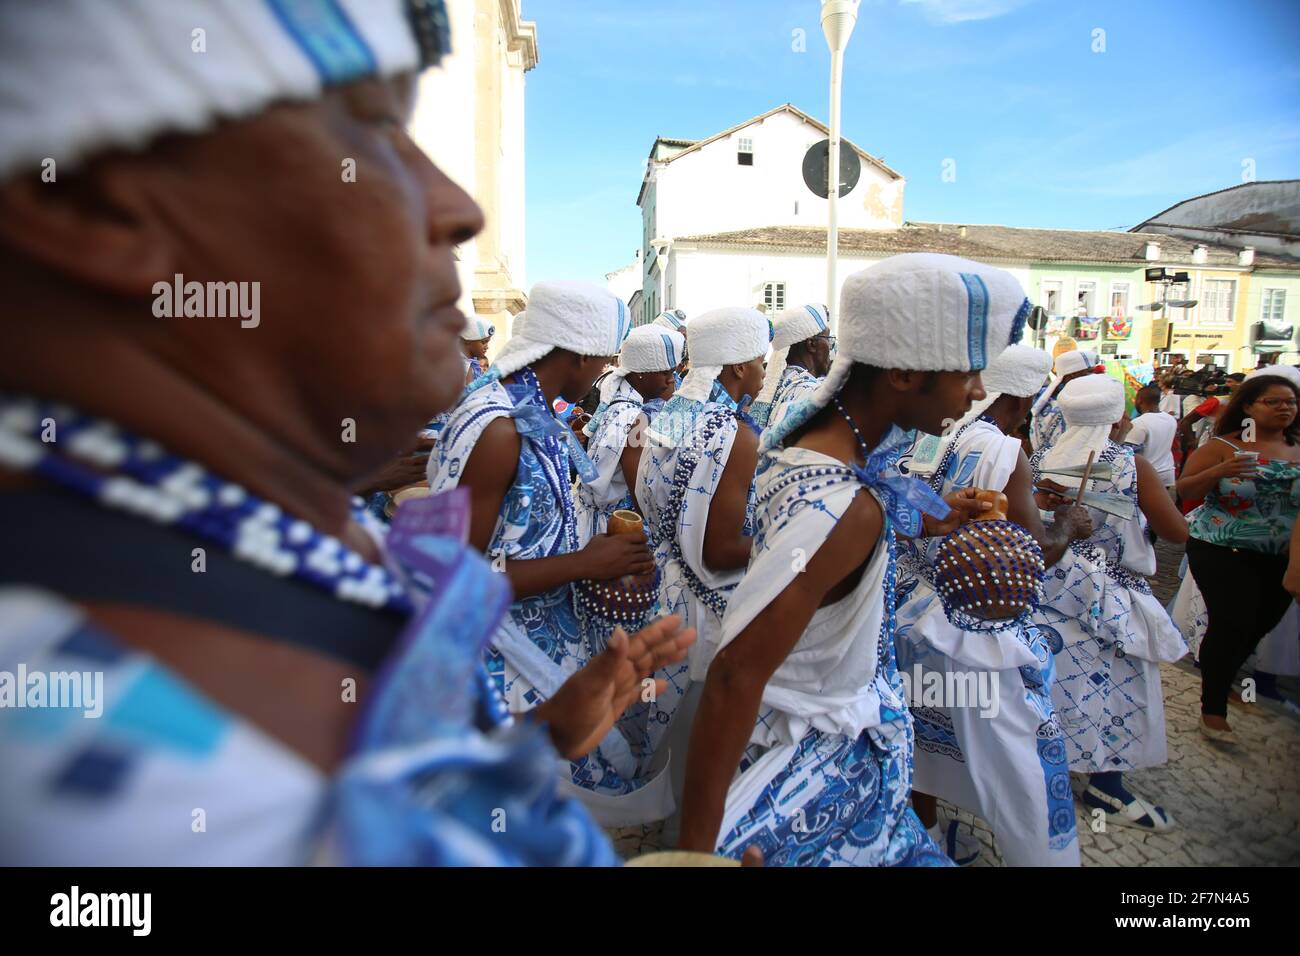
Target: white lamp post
{"x":838,"y":19}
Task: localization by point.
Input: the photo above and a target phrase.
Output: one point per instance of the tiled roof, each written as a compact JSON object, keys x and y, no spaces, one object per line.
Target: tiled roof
{"x":1007,"y":243}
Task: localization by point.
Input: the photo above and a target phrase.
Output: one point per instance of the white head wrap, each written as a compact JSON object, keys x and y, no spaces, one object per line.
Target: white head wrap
{"x":1091,"y":406}
{"x":577,"y":316}
{"x":1288,"y":372}
{"x":1067,"y":363}
{"x":718,"y":338}
{"x":791,"y":327}
{"x":476,"y":329}
{"x":83,"y":76}
{"x":1020,"y":371}
{"x":649,"y":348}
{"x":919,"y":311}
{"x":674,"y":319}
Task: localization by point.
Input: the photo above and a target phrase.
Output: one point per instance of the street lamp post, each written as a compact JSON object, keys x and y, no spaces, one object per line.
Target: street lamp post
{"x":838,"y":19}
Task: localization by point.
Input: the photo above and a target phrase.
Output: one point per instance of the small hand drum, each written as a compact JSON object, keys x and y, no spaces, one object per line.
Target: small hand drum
{"x":990,"y":570}
{"x":626,"y":601}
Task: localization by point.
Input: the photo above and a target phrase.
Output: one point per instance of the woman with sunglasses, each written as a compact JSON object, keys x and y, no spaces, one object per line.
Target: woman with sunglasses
{"x":1249,"y":476}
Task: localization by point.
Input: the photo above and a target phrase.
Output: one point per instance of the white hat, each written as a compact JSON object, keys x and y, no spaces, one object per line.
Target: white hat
{"x":718,"y":338}
{"x":1067,"y":363}
{"x":649,"y":348}
{"x":476,"y":329}
{"x":919,"y":311}
{"x":791,"y":327}
{"x":674,"y":319}
{"x":1288,"y":372}
{"x":1020,"y":371}
{"x":1091,"y":406}
{"x":577,"y":316}
{"x":83,"y":76}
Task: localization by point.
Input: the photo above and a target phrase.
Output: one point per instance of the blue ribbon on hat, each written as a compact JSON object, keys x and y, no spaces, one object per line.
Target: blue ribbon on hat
{"x":538,"y":423}
{"x":904,"y":499}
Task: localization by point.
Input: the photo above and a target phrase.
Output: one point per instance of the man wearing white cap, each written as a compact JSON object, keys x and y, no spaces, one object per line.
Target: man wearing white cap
{"x":801,"y":356}
{"x":174,"y":475}
{"x":504,"y":443}
{"x":1107,"y":687}
{"x":629,"y":400}
{"x":1046,"y":421}
{"x":802,"y":692}
{"x":475,"y":339}
{"x":992,"y":760}
{"x":674,"y":320}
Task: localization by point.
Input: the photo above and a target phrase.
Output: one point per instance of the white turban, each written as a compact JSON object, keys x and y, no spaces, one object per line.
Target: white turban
{"x":1067,"y":363}
{"x":718,"y":338}
{"x":476,"y":329}
{"x":649,"y":348}
{"x":674,"y":319}
{"x":919,"y":311}
{"x":1020,"y":371}
{"x":791,"y":327}
{"x":1288,"y":372}
{"x":577,"y":316}
{"x":1091,"y":406}
{"x":83,"y":76}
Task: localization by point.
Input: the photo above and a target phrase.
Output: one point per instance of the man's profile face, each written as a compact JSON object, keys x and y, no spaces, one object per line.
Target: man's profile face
{"x":942,"y":398}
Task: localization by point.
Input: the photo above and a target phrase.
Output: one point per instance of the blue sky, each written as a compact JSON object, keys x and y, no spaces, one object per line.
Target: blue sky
{"x":1044,"y":131}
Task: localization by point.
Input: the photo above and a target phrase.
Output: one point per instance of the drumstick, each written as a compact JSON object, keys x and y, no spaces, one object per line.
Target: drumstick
{"x":1087,"y":470}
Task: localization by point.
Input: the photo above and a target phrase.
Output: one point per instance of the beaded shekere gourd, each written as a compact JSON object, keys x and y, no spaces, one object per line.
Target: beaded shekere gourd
{"x":628,"y":600}
{"x":989,"y":571}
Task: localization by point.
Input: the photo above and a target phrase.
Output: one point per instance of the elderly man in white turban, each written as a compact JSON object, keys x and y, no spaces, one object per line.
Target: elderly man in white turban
{"x":130,"y":164}
{"x":801,"y":357}
{"x":629,"y":400}
{"x":1046,"y":421}
{"x":504,"y":443}
{"x":1107,"y":687}
{"x":992,"y":752}
{"x":802,"y":692}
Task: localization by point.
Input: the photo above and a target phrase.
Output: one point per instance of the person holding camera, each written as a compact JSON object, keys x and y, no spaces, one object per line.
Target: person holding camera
{"x":1249,"y":476}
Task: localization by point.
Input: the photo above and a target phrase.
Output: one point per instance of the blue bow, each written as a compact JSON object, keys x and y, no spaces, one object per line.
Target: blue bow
{"x":538,"y":423}
{"x":904,"y":498}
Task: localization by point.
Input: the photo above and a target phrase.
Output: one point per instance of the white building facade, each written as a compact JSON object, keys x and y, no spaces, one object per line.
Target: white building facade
{"x":469,"y":118}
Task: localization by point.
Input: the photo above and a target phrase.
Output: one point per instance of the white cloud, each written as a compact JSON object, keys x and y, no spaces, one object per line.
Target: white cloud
{"x":961,"y":11}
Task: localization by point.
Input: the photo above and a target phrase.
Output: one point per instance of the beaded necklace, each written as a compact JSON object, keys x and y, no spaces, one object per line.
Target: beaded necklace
{"x":121,"y":471}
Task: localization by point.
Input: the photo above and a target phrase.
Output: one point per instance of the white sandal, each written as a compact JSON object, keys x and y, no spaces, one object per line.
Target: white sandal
{"x":1132,"y":814}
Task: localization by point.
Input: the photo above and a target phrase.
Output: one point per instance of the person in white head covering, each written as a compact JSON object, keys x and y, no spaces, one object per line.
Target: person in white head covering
{"x":695,"y":480}
{"x":504,"y":443}
{"x":1107,"y":687}
{"x":1046,"y":421}
{"x":675,"y":319}
{"x":132,"y":164}
{"x":475,"y":339}
{"x":989,"y":759}
{"x":629,"y":400}
{"x":802,"y":690}
{"x":801,"y":355}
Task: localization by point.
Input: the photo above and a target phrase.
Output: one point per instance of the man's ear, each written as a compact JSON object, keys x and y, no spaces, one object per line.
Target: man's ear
{"x":87,"y":227}
{"x":904,"y":380}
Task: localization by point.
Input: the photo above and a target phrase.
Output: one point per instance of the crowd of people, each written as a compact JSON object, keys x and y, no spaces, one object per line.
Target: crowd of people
{"x":699,"y":572}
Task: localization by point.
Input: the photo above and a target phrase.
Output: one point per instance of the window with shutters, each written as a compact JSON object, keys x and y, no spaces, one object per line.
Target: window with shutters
{"x":745,"y":152}
{"x":1216,"y":301}
{"x":1273,"y":307}
{"x":774,"y":297}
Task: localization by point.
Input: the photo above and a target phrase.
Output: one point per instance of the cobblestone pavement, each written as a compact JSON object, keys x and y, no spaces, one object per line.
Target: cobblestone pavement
{"x":1233,"y":806}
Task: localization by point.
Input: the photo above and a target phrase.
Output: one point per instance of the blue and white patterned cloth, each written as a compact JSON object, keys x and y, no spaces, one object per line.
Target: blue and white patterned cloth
{"x":543,"y":642}
{"x":1006,"y":762}
{"x":794,"y":386}
{"x":1047,"y":425}
{"x":1108,"y":651}
{"x":608,"y":432}
{"x":826,"y":779}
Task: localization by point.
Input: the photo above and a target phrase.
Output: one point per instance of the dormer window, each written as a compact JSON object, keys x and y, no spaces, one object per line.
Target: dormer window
{"x":745,"y":152}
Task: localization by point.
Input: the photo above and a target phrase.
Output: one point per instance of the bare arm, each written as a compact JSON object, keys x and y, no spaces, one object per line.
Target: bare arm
{"x":734,"y":687}
{"x":1292,"y":580}
{"x":1071,"y":522}
{"x":1206,"y":466}
{"x":726,"y":546}
{"x":1165,"y":519}
{"x":488,"y":474}
{"x":631,"y":458}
